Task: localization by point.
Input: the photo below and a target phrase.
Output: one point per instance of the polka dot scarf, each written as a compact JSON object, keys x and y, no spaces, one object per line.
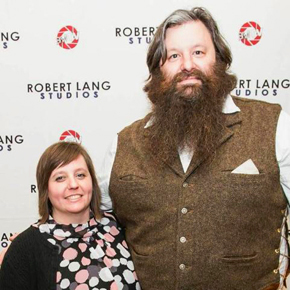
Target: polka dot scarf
{"x":93,"y":255}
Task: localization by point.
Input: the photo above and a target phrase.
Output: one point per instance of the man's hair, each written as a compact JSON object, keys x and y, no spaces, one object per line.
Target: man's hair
{"x":60,"y":154}
{"x":157,"y":49}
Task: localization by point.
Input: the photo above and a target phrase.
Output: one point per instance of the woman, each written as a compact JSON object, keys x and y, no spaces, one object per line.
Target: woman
{"x":73,"y":246}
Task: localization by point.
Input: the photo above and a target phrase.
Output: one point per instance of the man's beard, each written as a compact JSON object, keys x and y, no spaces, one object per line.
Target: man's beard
{"x":188,"y":116}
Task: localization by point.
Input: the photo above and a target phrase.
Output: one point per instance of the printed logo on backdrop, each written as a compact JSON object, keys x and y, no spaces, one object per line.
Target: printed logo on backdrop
{"x":8,"y":37}
{"x":136,"y":35}
{"x":260,"y":87}
{"x":69,"y":91}
{"x":7,"y":142}
{"x":250,"y":33}
{"x":70,"y":136}
{"x":68,"y":37}
{"x":5,"y":239}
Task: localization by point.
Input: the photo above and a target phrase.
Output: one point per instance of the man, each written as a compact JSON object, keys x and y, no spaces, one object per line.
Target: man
{"x":200,"y":183}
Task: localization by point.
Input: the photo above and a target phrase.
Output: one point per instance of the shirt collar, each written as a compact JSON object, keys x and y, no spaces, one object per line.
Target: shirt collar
{"x":229,"y":108}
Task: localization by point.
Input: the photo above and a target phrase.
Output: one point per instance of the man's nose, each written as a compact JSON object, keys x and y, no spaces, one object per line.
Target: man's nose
{"x":187,"y":63}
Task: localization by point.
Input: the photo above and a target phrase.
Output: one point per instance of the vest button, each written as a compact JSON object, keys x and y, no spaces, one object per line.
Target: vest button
{"x":279,"y":230}
{"x":275,"y":271}
{"x":182,"y":240}
{"x":181,"y":266}
{"x":185,"y":184}
{"x":277,"y":251}
{"x":184,"y":210}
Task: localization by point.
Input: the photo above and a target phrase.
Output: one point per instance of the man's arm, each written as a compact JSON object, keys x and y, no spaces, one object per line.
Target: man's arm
{"x":283,"y":152}
{"x":283,"y":158}
{"x":104,"y":176}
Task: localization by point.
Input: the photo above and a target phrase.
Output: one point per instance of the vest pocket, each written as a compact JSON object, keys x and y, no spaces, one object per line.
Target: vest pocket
{"x":239,"y":259}
{"x":132,"y":178}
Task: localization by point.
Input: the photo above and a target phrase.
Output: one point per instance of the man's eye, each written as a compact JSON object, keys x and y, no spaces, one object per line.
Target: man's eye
{"x":173,"y":56}
{"x":198,"y":52}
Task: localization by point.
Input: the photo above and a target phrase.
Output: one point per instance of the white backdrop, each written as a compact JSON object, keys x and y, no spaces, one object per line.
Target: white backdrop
{"x":94,"y":88}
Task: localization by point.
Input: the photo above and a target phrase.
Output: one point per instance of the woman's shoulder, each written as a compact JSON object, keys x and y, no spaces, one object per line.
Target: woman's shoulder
{"x":25,"y":239}
{"x":29,"y":243}
{"x":20,"y":248}
{"x":109,"y":225}
{"x":30,"y":233}
{"x":109,"y":218}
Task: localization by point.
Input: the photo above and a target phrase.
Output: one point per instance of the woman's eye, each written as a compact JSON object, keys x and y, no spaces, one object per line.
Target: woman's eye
{"x":81,"y":175}
{"x":59,"y":178}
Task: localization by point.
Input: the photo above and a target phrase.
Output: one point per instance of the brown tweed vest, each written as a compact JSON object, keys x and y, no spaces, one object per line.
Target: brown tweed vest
{"x":207,"y":228}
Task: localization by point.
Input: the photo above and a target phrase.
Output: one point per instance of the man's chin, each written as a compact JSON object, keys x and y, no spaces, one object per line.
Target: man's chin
{"x":189,"y":93}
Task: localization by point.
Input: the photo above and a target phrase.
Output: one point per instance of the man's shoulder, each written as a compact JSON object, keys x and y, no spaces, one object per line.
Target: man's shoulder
{"x":258,"y":111}
{"x":141,"y":123}
{"x":244,"y":103}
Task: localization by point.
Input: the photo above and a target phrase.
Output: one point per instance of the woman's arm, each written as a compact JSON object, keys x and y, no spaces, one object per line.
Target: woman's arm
{"x":15,"y":273}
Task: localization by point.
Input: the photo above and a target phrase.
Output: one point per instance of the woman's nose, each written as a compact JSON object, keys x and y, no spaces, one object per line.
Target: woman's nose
{"x":72,"y":183}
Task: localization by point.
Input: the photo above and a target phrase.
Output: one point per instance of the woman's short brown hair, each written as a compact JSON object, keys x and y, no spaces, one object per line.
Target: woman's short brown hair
{"x":60,"y":154}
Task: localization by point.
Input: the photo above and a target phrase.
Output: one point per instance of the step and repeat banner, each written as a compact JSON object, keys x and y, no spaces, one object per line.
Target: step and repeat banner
{"x":75,"y":70}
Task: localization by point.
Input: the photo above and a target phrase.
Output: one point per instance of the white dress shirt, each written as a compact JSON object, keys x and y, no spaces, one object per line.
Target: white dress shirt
{"x":282,"y":154}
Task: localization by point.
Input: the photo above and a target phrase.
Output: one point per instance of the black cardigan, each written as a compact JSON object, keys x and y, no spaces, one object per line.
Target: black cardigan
{"x":30,"y":263}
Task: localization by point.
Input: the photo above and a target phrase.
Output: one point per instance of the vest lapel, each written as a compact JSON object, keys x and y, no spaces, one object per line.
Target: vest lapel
{"x":231,"y":121}
{"x":175,"y":163}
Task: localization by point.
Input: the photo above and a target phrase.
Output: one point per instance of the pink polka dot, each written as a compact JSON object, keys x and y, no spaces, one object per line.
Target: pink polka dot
{"x":125,"y":244}
{"x":82,"y":287}
{"x":135,"y":275}
{"x":109,"y":238}
{"x":70,"y":254}
{"x":92,"y":222}
{"x":100,"y":242}
{"x":58,"y":277}
{"x":82,"y":276}
{"x":86,"y":261}
{"x":78,"y":229}
{"x":59,"y":238}
{"x":108,"y":262}
{"x":110,"y":252}
{"x":114,"y":231}
{"x":114,"y":286}
{"x":83,"y":247}
{"x":109,"y":215}
{"x":86,"y":235}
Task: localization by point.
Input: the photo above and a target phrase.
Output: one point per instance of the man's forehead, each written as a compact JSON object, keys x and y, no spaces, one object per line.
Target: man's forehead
{"x":191,"y":31}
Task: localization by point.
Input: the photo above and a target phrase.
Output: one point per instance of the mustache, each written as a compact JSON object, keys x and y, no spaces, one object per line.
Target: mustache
{"x":195,"y":73}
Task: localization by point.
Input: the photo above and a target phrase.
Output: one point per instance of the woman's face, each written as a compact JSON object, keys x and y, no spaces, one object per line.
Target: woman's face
{"x":70,"y":192}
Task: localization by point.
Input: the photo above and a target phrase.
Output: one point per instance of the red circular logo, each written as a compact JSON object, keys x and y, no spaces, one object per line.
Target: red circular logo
{"x":70,"y":136}
{"x":250,"y":33}
{"x":68,"y":37}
